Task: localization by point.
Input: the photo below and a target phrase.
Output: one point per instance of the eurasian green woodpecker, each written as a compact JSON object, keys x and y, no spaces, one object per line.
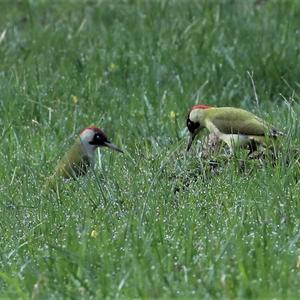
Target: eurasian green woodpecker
{"x":236,"y":127}
{"x":81,"y":155}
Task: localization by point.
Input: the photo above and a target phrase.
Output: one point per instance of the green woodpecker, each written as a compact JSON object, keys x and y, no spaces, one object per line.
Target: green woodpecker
{"x":235,"y":126}
{"x":81,"y":155}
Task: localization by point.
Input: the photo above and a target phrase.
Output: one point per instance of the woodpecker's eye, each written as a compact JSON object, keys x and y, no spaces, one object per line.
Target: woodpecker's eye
{"x":98,"y":139}
{"x":192,"y":126}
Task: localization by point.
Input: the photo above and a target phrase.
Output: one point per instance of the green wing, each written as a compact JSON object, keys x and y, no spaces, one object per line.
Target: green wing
{"x":74,"y":163}
{"x":231,"y":120}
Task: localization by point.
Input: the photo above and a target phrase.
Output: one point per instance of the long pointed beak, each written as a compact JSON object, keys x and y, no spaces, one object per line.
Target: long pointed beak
{"x":113,"y":146}
{"x":191,"y":139}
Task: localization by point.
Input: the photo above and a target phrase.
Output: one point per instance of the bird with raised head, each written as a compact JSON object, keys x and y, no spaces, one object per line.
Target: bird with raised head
{"x":236,"y":127}
{"x":81,"y":155}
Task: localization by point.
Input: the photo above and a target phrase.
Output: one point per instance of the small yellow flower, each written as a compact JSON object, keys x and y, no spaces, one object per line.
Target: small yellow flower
{"x":113,"y":67}
{"x":74,"y":99}
{"x":173,"y":114}
{"x":298,"y":262}
{"x":94,"y":234}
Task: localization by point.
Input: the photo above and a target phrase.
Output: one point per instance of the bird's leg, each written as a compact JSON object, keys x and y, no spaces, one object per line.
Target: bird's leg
{"x":252,"y":147}
{"x":254,"y":152}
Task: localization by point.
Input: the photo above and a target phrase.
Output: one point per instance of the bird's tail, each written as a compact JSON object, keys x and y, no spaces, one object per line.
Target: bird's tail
{"x":275,"y":133}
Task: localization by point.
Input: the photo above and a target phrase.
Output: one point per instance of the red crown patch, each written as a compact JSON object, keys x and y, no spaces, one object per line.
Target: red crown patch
{"x":201,"y":106}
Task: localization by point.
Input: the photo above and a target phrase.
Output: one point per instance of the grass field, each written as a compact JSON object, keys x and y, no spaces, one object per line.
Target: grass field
{"x":143,"y":225}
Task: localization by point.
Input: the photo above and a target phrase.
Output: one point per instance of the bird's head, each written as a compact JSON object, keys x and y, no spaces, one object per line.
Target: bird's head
{"x":93,"y":137}
{"x":195,"y":122}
